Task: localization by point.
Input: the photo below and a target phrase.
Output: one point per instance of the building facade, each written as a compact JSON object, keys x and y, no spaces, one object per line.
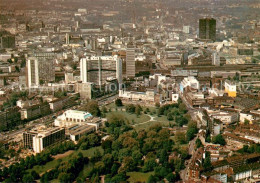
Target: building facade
{"x":41,"y":138}
{"x":207,"y":29}
{"x":97,"y":69}
{"x":40,"y":70}
{"x":130,"y":62}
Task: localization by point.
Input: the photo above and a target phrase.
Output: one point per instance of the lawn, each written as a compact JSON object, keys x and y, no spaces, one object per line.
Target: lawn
{"x":90,"y":152}
{"x":48,"y":166}
{"x":131,"y":118}
{"x":148,"y":124}
{"x":86,"y":170}
{"x":52,"y":164}
{"x":138,"y":122}
{"x":138,"y":176}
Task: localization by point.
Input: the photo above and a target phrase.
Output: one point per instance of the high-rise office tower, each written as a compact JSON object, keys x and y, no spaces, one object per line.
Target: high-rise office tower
{"x":186,"y":29}
{"x":7,"y":41}
{"x":207,"y":29}
{"x":83,"y":70}
{"x":130,"y":62}
{"x":40,"y":69}
{"x":119,"y":71}
{"x":32,"y":72}
{"x":215,"y":59}
{"x":98,"y":69}
{"x":67,"y":38}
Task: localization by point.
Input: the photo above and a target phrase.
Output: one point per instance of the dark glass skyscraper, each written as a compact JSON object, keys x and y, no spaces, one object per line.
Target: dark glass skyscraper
{"x":207,"y":29}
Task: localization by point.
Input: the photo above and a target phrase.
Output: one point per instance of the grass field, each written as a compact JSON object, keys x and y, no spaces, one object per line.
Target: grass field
{"x":138,"y":122}
{"x":138,"y":176}
{"x":52,"y":164}
{"x":131,"y":118}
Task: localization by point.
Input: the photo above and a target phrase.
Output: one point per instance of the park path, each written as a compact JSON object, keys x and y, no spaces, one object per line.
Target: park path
{"x":151,"y":119}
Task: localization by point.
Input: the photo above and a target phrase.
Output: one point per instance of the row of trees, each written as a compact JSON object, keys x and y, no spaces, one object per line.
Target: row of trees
{"x":254,"y":148}
{"x":134,"y":109}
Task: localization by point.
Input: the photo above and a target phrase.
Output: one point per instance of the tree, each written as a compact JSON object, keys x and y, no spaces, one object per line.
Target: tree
{"x":180,"y":120}
{"x":118,"y":102}
{"x":171,"y":177}
{"x":65,"y":177}
{"x":163,"y":156}
{"x":198,"y":143}
{"x":137,"y":157}
{"x":121,"y":177}
{"x":190,"y":133}
{"x":157,"y":104}
{"x":138,"y":110}
{"x":149,"y":165}
{"x":107,"y":160}
{"x":219,"y":140}
{"x":35,"y":175}
{"x":128,"y":165}
{"x":115,"y":168}
{"x":179,"y":137}
{"x":28,"y":178}
{"x":15,"y":59}
{"x":99,"y":167}
{"x":97,"y":155}
{"x":207,"y":162}
{"x":92,"y":108}
{"x":245,"y":148}
{"x":104,"y":110}
{"x":246,"y":121}
{"x":23,"y":63}
{"x":169,"y":116}
{"x":17,"y":69}
{"x":107,"y":145}
{"x":152,"y":179}
{"x":130,"y":108}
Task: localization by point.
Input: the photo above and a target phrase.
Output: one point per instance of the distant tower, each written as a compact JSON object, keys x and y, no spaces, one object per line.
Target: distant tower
{"x":119,"y":71}
{"x":67,"y":38}
{"x":40,"y":68}
{"x":43,"y":25}
{"x":55,"y":28}
{"x":215,"y":59}
{"x":207,"y":29}
{"x":83,"y":70}
{"x":186,"y":29}
{"x":130,"y":62}
{"x":32,"y":72}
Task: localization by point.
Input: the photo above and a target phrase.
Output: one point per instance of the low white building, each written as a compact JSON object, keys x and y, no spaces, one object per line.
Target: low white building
{"x":74,"y":117}
{"x":245,"y":116}
{"x":148,"y":96}
{"x":190,"y":81}
{"x":175,"y":97}
{"x":230,"y":88}
{"x":240,"y":175}
{"x":224,"y":117}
